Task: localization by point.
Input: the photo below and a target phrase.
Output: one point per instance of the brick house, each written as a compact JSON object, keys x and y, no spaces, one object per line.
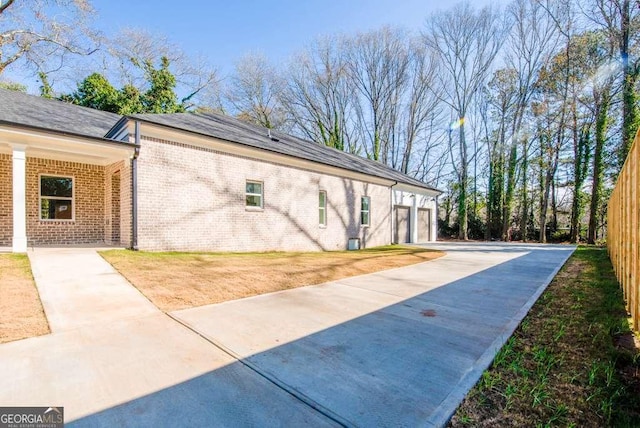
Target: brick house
{"x":73,"y":175}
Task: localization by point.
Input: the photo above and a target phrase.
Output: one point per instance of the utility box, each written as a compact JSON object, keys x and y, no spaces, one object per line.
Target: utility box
{"x":353,"y":244}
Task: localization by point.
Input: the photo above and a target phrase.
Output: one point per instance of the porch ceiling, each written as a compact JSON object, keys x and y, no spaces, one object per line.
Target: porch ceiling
{"x":71,"y":148}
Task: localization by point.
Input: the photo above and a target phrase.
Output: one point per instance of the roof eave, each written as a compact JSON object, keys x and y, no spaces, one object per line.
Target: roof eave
{"x":201,"y":134}
{"x":65,"y":134}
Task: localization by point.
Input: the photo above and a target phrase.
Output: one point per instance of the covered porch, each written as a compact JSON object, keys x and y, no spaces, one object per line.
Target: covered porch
{"x":63,"y":189}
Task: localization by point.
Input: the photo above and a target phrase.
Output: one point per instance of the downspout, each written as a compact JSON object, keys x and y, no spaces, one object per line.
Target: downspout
{"x":134,"y":189}
{"x":391,"y":211}
{"x":437,"y":216}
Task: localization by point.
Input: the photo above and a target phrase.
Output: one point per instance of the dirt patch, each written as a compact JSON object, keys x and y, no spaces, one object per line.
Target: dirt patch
{"x":21,"y":313}
{"x":175,"y":281}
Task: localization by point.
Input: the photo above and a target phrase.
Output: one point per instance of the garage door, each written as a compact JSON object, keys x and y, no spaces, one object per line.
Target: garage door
{"x":424,"y":225}
{"x":403,"y":229}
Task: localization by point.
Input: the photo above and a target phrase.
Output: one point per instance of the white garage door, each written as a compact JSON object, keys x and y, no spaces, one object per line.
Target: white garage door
{"x":424,"y":225}
{"x":403,"y":229}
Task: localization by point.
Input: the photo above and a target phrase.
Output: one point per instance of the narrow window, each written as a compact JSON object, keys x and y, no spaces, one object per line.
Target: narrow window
{"x":364,"y":211}
{"x":56,"y":198}
{"x":254,"y":194}
{"x":322,"y":208}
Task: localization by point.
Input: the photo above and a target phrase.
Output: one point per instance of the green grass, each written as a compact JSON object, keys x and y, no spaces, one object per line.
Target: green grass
{"x":564,"y":365}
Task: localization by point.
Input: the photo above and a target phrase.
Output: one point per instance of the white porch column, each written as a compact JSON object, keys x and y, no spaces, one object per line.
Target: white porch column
{"x":19,"y":199}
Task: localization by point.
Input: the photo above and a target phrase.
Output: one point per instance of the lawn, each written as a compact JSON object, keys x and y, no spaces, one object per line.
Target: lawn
{"x":183,"y":280}
{"x":21,"y":313}
{"x":572,"y":361}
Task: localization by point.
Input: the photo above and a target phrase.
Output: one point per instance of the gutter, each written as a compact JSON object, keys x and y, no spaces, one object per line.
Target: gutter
{"x":93,"y":138}
{"x":134,"y":189}
{"x":435,"y":238}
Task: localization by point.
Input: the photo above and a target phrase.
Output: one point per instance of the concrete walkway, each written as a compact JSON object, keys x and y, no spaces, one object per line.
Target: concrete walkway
{"x":397,"y":348}
{"x":110,"y":348}
{"x":78,"y":287}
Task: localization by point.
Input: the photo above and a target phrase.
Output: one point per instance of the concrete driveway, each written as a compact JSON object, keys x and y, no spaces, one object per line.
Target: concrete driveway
{"x":396,"y":348}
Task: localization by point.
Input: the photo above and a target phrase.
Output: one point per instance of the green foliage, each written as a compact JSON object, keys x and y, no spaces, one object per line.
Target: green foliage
{"x":46,"y":91}
{"x":97,"y":92}
{"x":13,"y":86}
{"x":161,"y":97}
{"x":130,"y":100}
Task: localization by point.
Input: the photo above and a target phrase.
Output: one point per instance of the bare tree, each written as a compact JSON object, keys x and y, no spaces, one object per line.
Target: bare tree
{"x":378,"y":64}
{"x":40,"y":34}
{"x":501,"y":98}
{"x":532,"y":39}
{"x":466,"y":42}
{"x":127,"y":53}
{"x":253,"y":91}
{"x":420,"y":115}
{"x":317,"y":95}
{"x":620,"y":20}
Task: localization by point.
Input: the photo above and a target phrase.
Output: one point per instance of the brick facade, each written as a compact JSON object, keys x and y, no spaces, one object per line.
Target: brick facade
{"x":194,"y":199}
{"x":88,"y":224}
{"x":117,"y":204}
{"x":6,"y":200}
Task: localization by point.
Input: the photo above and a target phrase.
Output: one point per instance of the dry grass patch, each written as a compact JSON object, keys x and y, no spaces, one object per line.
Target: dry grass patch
{"x":175,"y":281}
{"x":21,"y":313}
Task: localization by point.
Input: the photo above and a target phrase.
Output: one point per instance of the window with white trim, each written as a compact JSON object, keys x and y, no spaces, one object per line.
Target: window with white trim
{"x":322,"y":208}
{"x":254,"y":196}
{"x":56,"y":197}
{"x":365,"y":203}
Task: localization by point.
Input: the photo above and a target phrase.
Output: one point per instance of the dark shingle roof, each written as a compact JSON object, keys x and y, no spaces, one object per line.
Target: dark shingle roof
{"x":234,"y":130}
{"x":36,"y":112}
{"x":17,"y":108}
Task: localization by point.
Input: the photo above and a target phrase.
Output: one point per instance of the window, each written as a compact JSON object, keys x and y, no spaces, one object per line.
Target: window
{"x":56,"y":198}
{"x":364,"y":211}
{"x":322,"y":208}
{"x":254,"y":194}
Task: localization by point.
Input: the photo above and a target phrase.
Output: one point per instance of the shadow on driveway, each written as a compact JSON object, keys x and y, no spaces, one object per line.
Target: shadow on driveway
{"x":407,"y":364}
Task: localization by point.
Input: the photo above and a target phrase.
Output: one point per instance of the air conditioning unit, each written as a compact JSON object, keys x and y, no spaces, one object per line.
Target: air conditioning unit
{"x":353,"y":244}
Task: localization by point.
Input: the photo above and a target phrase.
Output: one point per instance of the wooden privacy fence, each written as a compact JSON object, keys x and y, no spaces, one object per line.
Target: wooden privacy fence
{"x":623,"y":225}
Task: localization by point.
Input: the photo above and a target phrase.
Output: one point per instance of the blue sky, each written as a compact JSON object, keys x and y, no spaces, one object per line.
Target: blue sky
{"x":223,"y":31}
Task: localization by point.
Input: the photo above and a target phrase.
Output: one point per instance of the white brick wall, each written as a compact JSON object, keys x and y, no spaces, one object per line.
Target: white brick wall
{"x":194,"y":199}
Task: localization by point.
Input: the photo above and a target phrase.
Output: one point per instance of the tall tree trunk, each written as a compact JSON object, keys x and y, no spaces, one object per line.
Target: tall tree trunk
{"x":508,"y":197}
{"x":629,"y":110}
{"x":554,"y":207}
{"x":543,"y":202}
{"x":462,"y":200}
{"x":581,"y":160}
{"x":577,"y":162}
{"x":524,"y":219}
{"x":602,"y":109}
{"x":490,"y":200}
